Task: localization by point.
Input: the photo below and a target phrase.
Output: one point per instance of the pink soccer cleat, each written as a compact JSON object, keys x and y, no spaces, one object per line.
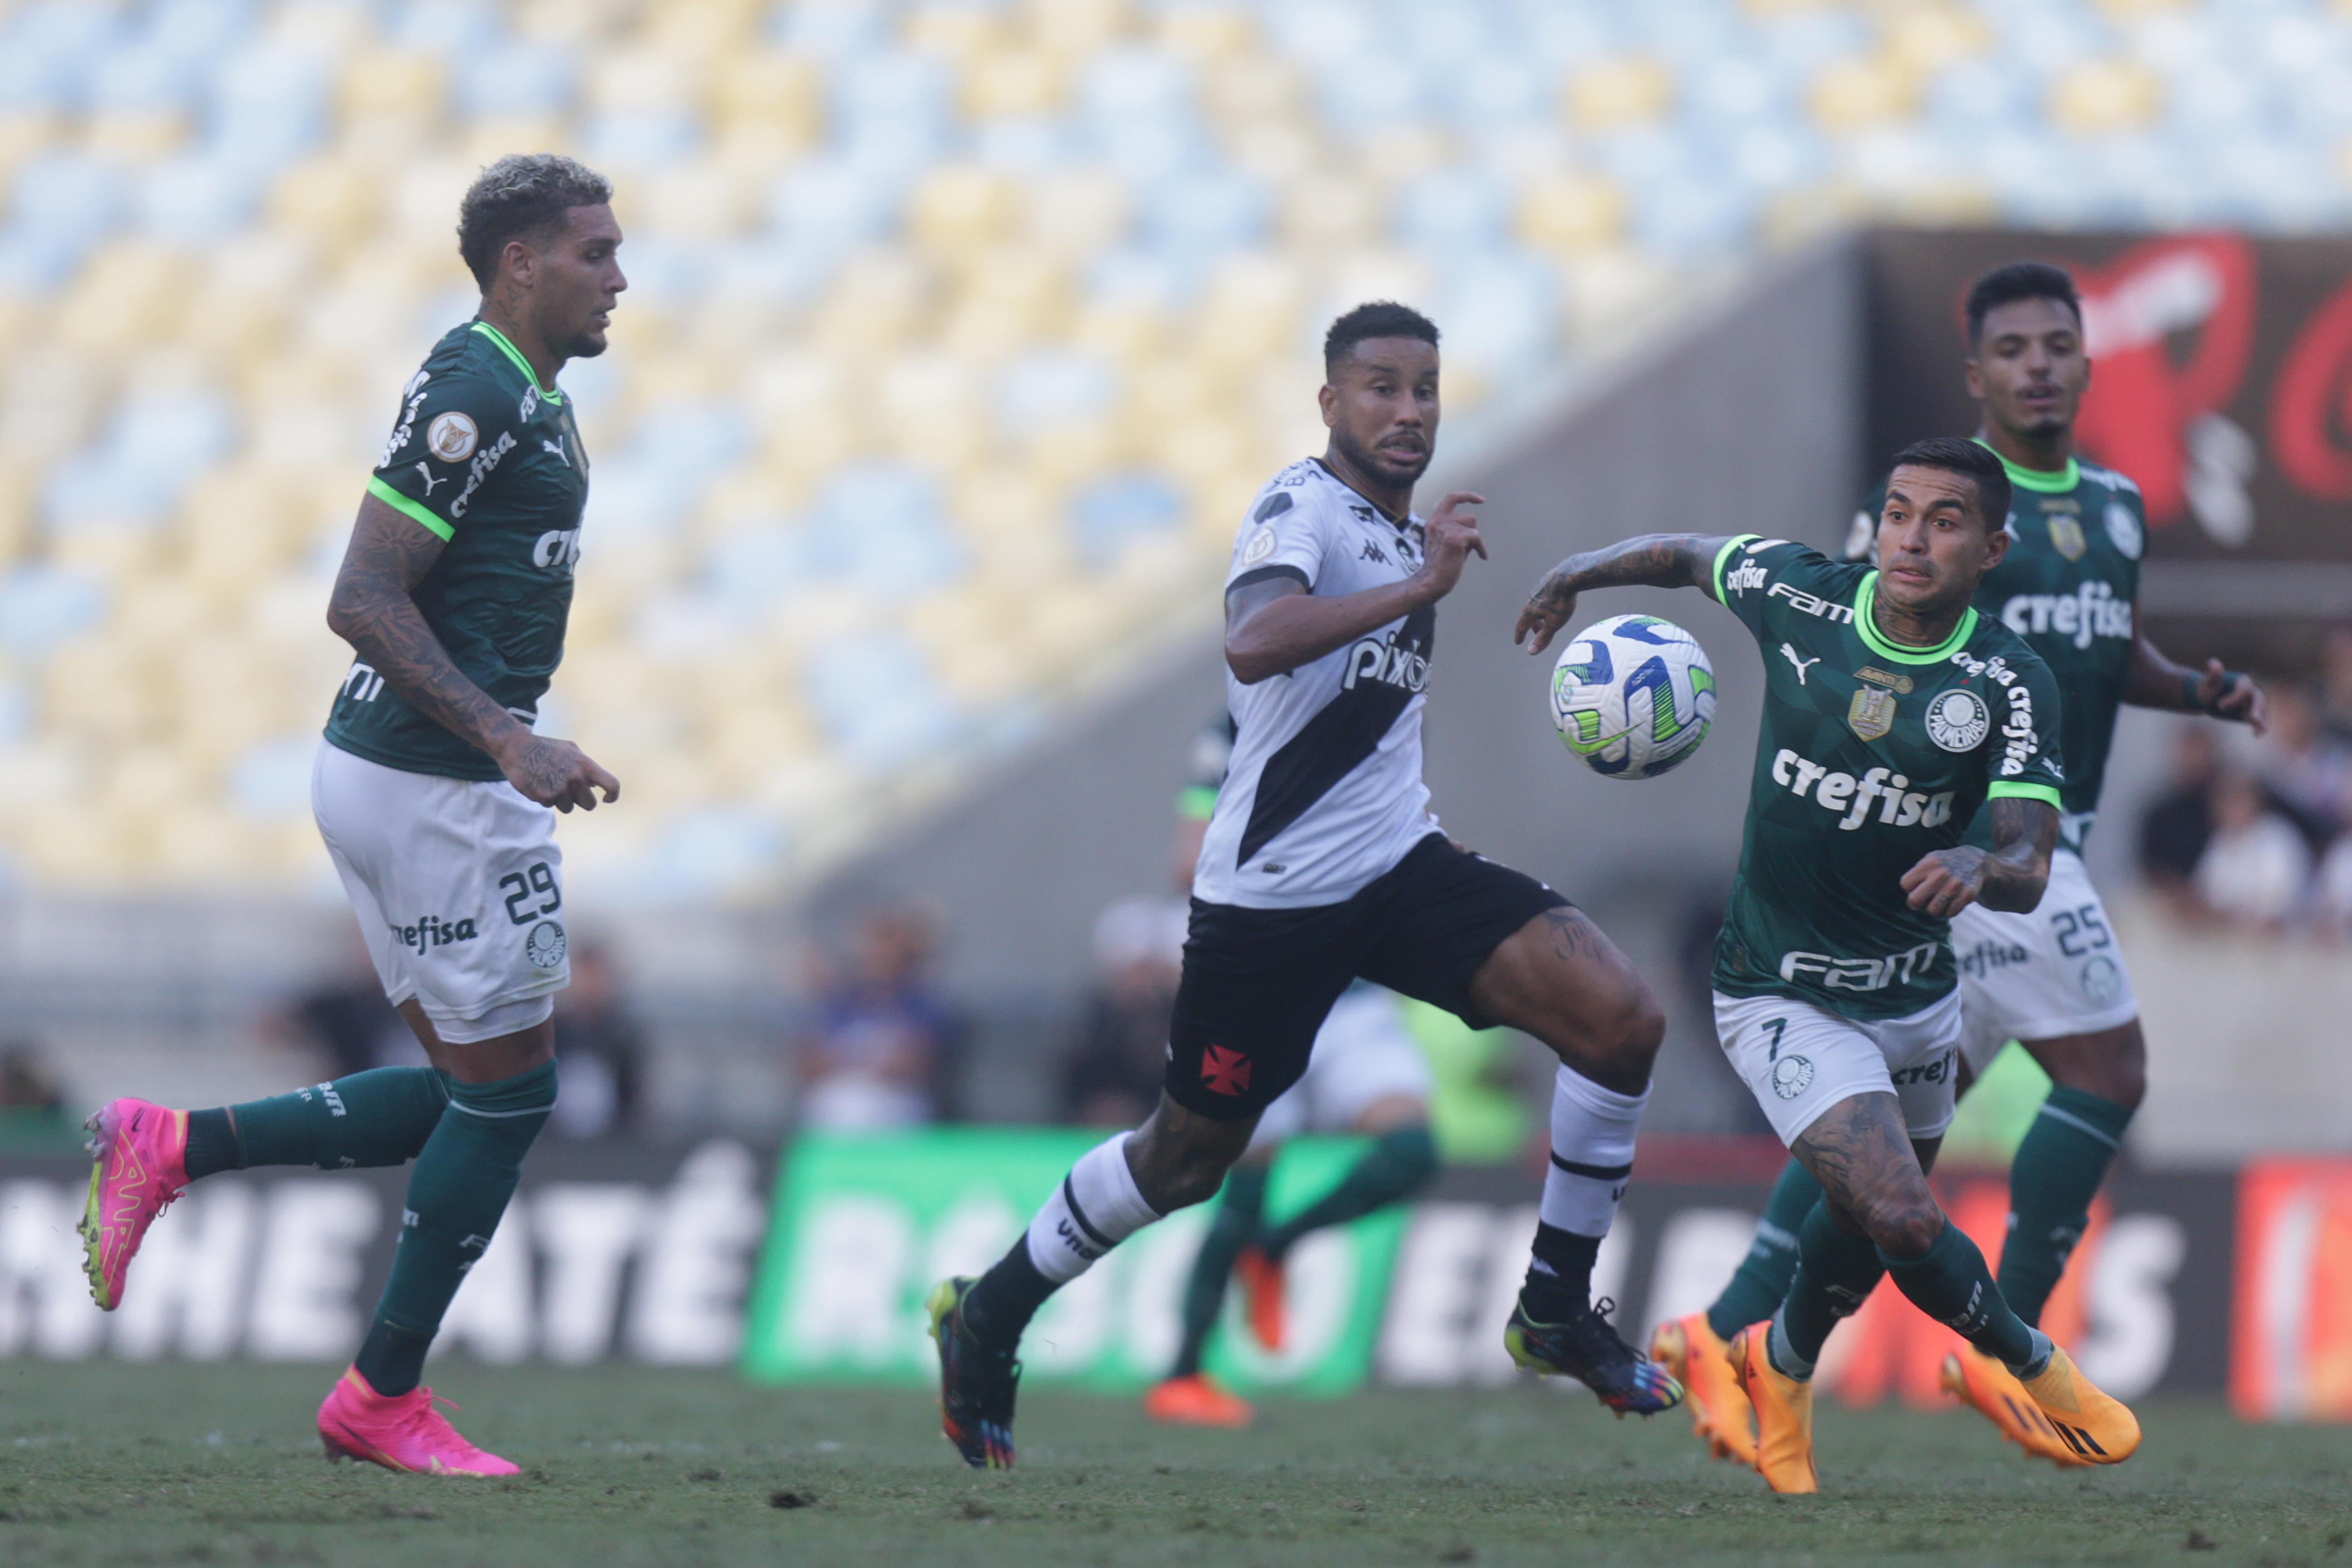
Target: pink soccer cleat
{"x":141,"y":1151}
{"x":401,"y":1432}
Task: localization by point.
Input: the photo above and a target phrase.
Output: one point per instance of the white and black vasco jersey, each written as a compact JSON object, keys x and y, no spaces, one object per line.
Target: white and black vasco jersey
{"x":1323,"y":792}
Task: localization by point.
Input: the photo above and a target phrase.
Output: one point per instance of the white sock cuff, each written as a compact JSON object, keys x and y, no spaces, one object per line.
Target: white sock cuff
{"x":1603,"y":1104}
{"x":1096,"y":1206}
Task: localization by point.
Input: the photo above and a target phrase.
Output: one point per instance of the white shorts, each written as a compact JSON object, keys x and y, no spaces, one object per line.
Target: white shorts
{"x":1798,"y":1059}
{"x":1363,"y":1053}
{"x":456,"y":883}
{"x":2044,"y":975}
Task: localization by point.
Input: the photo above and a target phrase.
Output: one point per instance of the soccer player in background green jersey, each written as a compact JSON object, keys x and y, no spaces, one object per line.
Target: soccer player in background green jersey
{"x":1893,"y":711}
{"x":437,"y":802}
{"x":2052,"y":979}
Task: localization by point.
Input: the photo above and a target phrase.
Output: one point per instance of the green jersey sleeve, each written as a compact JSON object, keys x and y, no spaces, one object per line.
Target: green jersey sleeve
{"x":1767,"y":582}
{"x":2021,"y":758}
{"x":455,"y":427}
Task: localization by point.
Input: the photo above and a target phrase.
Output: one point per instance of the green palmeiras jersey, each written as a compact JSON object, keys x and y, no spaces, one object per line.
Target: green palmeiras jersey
{"x":485,"y":458}
{"x":2067,"y":586}
{"x":1871,"y":755}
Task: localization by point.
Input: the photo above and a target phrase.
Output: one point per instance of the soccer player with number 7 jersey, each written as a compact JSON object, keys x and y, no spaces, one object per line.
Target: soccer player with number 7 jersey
{"x":1892,"y":709}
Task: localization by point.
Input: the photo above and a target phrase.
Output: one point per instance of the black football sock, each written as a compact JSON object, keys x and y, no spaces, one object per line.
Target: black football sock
{"x":381,"y":1117}
{"x":1399,"y":1162}
{"x":1560,"y":1277}
{"x":1951,"y":1284}
{"x":1761,"y":1281}
{"x":1230,"y":1230}
{"x":2052,"y":1182}
{"x":1096,"y":1206}
{"x":1000,"y":1302}
{"x":1837,"y":1271}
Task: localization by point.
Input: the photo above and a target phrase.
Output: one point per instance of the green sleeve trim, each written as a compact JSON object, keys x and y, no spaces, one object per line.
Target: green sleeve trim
{"x":1197,"y":804}
{"x":1866,"y":597}
{"x":414,"y":509}
{"x":2042,"y":793}
{"x":521,"y":364}
{"x":1724,"y":554}
{"x":2040,"y":480}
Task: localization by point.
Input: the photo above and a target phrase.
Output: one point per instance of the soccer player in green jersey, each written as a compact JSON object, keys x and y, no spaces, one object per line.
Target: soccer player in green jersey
{"x":1893,"y":711}
{"x":2052,"y":979}
{"x":437,"y":802}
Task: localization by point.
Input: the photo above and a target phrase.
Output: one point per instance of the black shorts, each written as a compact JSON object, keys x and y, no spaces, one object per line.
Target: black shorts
{"x":1258,"y":983}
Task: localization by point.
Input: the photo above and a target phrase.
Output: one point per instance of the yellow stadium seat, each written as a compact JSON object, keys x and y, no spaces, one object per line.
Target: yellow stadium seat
{"x":122,"y":298}
{"x":958,"y":206}
{"x":403,"y":87}
{"x":1073,"y":212}
{"x":1251,"y":89}
{"x":1009,"y":295}
{"x":1012,"y":82}
{"x":485,"y":139}
{"x":1927,"y":39}
{"x":703,"y":32}
{"x":1207,"y":33}
{"x":705,"y":203}
{"x":136,"y":136}
{"x":1569,"y":214}
{"x":23,"y":133}
{"x":883,"y":297}
{"x":930,"y":408}
{"x":1862,"y":91}
{"x":767,"y":94}
{"x":2101,"y":98}
{"x":328,"y":198}
{"x":642,"y":80}
{"x":1613,"y":94}
{"x":955,"y":29}
{"x":1071,"y":28}
{"x":18,"y":482}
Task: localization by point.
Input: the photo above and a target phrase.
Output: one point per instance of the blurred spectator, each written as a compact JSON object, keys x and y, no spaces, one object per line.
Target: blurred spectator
{"x":28,"y":1086}
{"x":2332,"y":891}
{"x":882,"y":1043}
{"x":2336,"y":681}
{"x":2257,"y":865}
{"x":347,"y":1021}
{"x":599,"y":1050}
{"x":2308,"y":770}
{"x":1112,"y":1077}
{"x":2177,"y":825}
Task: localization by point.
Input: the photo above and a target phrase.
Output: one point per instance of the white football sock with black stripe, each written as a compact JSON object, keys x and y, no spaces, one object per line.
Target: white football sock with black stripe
{"x":1593,"y":1131}
{"x":1096,"y":1206}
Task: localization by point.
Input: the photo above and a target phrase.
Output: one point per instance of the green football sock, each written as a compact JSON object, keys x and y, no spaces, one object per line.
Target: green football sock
{"x":377,"y":1118}
{"x":1230,"y":1230}
{"x":2052,"y":1182}
{"x":1950,"y":1283}
{"x":1837,"y":1271}
{"x":1398,"y":1161}
{"x":464,"y":1176}
{"x":1763,"y":1281}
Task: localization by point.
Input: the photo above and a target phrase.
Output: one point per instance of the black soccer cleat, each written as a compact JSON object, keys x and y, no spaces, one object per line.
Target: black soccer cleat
{"x":1588,"y":1349}
{"x":977,"y":1385}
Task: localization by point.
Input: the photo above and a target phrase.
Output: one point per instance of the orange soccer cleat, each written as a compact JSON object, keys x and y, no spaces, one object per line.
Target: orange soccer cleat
{"x":1720,"y":1415}
{"x":1981,"y":1383}
{"x":1199,"y":1400}
{"x":1261,"y":1291}
{"x":1784,"y":1415}
{"x":2095,"y":1426}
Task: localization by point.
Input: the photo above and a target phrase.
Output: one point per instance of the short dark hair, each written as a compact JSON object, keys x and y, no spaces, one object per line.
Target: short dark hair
{"x":1973,"y":458}
{"x":523,"y":196}
{"x":2020,"y":281}
{"x":1377,"y":319}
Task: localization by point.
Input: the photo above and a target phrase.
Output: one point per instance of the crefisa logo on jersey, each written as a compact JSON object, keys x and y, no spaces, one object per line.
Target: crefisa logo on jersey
{"x":1957,"y":721}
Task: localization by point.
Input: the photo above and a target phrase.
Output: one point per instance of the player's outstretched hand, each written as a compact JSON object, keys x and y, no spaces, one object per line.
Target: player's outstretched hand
{"x":1446,"y":543}
{"x":557,"y":773}
{"x":1547,"y":610}
{"x":2234,"y":697}
{"x":1946,"y":881}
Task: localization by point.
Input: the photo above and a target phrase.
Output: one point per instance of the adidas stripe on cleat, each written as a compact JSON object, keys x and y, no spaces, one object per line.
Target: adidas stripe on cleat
{"x":1991,"y":1390}
{"x":977,"y":1385}
{"x":2095,"y":1426}
{"x":1588,"y":1349}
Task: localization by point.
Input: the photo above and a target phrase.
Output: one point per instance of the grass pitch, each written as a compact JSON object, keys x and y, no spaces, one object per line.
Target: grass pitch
{"x":116,"y":1465}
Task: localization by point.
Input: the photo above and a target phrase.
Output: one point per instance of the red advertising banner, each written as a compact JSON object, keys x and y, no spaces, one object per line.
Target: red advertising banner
{"x":2292,"y":1324}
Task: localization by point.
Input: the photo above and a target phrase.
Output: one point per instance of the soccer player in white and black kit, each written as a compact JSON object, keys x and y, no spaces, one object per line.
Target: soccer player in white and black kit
{"x":1323,"y":864}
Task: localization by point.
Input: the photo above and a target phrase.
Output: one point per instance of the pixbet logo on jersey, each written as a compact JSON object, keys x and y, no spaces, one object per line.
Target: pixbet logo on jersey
{"x":1898,"y":804}
{"x":1388,"y":661}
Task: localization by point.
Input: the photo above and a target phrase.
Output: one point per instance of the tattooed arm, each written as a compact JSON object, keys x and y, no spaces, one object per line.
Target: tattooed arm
{"x":372,"y":609}
{"x":2155,"y":681}
{"x":1652,"y":560}
{"x":2011,"y":875}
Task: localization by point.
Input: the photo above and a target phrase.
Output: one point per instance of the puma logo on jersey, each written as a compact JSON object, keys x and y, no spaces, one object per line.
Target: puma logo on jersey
{"x":1802,"y":664}
{"x":557,"y":449}
{"x":430,"y":479}
{"x":1898,"y":804}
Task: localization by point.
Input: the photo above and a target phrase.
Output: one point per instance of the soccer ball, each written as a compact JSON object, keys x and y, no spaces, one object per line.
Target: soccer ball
{"x":1632,"y":696}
